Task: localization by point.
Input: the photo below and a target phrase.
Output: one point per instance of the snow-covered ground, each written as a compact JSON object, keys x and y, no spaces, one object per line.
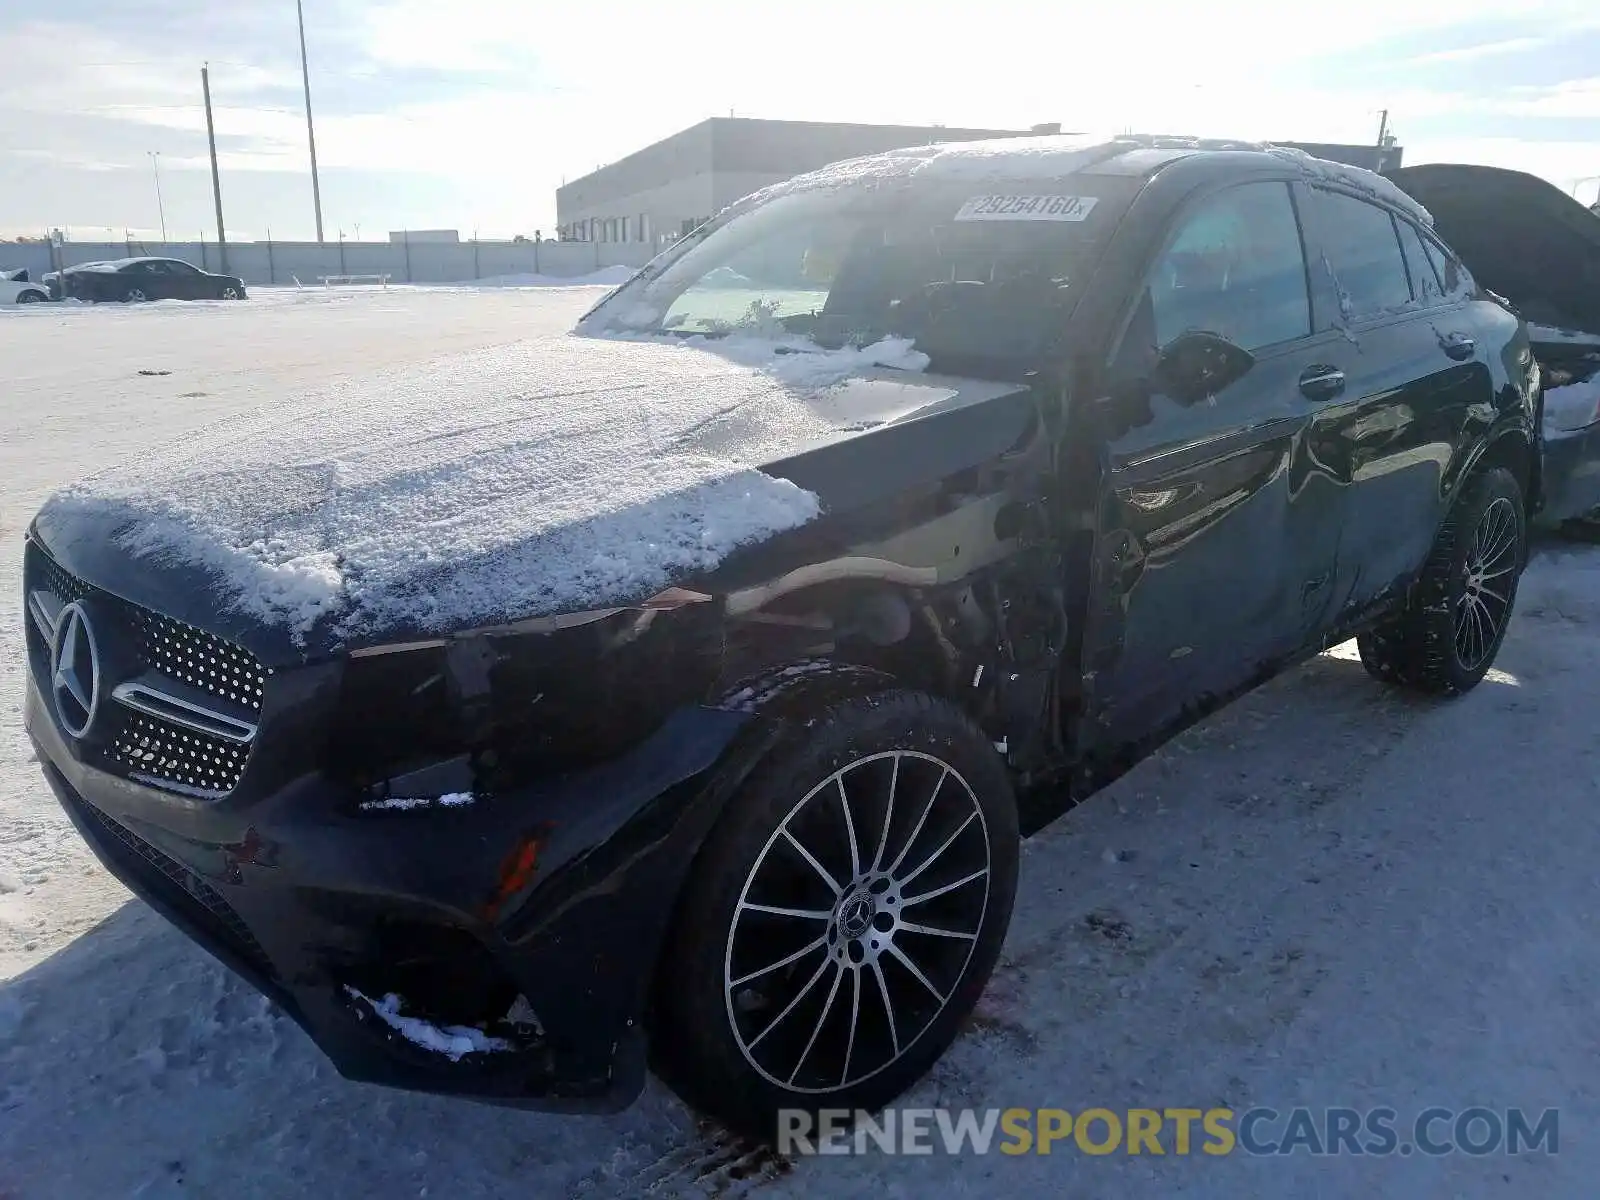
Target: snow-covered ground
{"x":1330,"y":894}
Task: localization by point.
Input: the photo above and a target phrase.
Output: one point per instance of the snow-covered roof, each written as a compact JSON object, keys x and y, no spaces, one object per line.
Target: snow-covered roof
{"x":1056,"y":156}
{"x":116,"y":264}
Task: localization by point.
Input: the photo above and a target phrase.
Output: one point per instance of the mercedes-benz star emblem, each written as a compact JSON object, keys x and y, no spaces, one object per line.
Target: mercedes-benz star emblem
{"x":75,"y":670}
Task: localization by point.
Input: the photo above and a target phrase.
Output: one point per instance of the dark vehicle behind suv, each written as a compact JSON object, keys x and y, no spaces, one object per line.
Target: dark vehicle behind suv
{"x":1091,"y":438}
{"x":130,"y":280}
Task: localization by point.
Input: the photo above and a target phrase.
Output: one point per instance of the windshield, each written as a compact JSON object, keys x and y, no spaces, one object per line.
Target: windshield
{"x":977,"y":281}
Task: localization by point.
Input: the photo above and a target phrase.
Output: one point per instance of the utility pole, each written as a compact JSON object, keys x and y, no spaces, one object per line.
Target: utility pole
{"x":311,"y":134}
{"x":1383,"y":140}
{"x":155,"y":163}
{"x":216,"y":178}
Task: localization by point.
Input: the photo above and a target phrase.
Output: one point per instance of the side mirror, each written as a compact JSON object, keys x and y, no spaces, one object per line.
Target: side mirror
{"x":1196,"y":365}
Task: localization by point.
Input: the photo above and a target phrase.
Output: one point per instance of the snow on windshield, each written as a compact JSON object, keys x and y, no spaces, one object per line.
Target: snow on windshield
{"x":971,"y":275}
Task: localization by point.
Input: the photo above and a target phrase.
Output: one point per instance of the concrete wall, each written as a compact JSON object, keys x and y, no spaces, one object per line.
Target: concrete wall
{"x":420,"y":262}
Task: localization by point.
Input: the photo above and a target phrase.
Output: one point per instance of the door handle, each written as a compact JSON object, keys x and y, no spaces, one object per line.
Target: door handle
{"x":1458,"y":346}
{"x":1321,"y":382}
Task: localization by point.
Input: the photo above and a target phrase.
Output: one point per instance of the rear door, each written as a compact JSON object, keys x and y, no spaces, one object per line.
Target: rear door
{"x":1416,"y":390}
{"x":1217,"y":539}
{"x":189,"y":283}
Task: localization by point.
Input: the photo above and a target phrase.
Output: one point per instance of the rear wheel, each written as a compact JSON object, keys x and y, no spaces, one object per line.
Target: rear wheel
{"x":134,"y":296}
{"x":1451,"y":630}
{"x":843,"y":916}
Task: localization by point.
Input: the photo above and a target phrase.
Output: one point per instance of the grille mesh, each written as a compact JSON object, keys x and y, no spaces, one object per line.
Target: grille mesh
{"x":181,"y":886}
{"x":155,"y":749}
{"x":147,"y":745}
{"x":198,"y":658}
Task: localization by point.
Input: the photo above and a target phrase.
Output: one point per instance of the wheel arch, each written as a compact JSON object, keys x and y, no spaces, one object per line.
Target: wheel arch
{"x":779,"y":697}
{"x":1510,"y":447}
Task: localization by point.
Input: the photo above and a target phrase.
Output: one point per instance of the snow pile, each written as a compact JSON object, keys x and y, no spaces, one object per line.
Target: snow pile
{"x":453,"y":1041}
{"x":407,"y":803}
{"x":605,"y":277}
{"x":804,"y":364}
{"x":546,"y":476}
{"x":1572,"y":406}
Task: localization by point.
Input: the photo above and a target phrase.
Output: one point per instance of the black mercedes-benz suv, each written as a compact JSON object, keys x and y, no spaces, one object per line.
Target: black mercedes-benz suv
{"x":674,"y":693}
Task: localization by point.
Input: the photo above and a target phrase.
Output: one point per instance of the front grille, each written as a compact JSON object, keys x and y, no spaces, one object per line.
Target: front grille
{"x":198,"y":658}
{"x":145,"y":747}
{"x":180,"y":887}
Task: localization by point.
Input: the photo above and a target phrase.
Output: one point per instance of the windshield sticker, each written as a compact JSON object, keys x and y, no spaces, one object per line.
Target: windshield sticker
{"x":1026,"y":208}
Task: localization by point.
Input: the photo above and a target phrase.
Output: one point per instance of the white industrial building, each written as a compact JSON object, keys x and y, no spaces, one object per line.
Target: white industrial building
{"x":658,"y":194}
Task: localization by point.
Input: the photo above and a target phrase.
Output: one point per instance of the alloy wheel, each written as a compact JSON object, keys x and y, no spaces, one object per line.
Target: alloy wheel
{"x":134,"y":296}
{"x":1488,"y":575}
{"x":857,"y":921}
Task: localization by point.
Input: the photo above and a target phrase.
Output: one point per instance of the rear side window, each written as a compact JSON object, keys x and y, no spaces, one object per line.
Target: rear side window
{"x":1425,"y":285}
{"x":1234,"y":266}
{"x":1361,"y":254}
{"x":1456,"y":282}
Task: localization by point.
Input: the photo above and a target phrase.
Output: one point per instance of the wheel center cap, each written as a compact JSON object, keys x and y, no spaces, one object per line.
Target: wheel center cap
{"x":856,"y":913}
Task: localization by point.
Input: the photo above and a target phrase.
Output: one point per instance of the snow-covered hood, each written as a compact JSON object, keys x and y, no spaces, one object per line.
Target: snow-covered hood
{"x":543,"y":477}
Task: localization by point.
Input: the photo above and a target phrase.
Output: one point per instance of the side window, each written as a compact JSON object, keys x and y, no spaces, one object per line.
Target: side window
{"x":1425,"y":287}
{"x":1235,"y":266}
{"x":1457,"y":283}
{"x":1361,"y":252}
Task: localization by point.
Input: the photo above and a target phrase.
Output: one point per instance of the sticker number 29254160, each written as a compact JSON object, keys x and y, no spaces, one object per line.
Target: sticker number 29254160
{"x":1026,"y":208}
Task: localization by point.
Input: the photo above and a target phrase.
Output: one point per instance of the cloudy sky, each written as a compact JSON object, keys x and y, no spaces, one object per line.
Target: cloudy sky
{"x":468,"y":113}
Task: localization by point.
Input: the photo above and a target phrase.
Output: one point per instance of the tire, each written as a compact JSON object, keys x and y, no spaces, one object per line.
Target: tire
{"x":230,"y":293}
{"x":133,"y":296}
{"x":1456,"y":618}
{"x":821,"y":984}
{"x":30,"y":298}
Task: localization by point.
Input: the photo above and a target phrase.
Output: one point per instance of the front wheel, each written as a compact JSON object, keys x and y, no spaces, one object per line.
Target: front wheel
{"x":134,"y":296}
{"x":843,"y":917}
{"x":30,"y":298}
{"x":230,"y":293}
{"x":1452,"y":628}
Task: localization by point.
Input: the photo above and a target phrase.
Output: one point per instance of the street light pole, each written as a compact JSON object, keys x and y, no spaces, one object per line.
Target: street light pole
{"x":311,"y":134}
{"x":216,"y":177}
{"x":155,"y":165}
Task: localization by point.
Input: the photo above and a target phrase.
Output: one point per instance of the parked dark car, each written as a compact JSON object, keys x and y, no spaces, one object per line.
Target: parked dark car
{"x":1530,"y":242}
{"x":1186,"y":415}
{"x":130,"y":280}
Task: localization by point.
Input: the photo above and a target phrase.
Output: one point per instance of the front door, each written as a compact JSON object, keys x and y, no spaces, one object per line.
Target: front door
{"x":1217,"y":533}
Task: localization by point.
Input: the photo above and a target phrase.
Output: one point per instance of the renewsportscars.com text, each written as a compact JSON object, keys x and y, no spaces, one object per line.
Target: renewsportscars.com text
{"x":1217,"y":1132}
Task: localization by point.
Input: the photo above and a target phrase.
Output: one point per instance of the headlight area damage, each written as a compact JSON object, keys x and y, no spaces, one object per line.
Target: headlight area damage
{"x":683,"y":691}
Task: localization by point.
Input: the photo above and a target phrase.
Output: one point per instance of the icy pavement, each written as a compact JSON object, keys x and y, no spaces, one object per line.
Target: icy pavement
{"x":1330,"y":894}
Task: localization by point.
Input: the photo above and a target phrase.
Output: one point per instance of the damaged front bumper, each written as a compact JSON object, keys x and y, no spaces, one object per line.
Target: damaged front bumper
{"x":501,"y":951}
